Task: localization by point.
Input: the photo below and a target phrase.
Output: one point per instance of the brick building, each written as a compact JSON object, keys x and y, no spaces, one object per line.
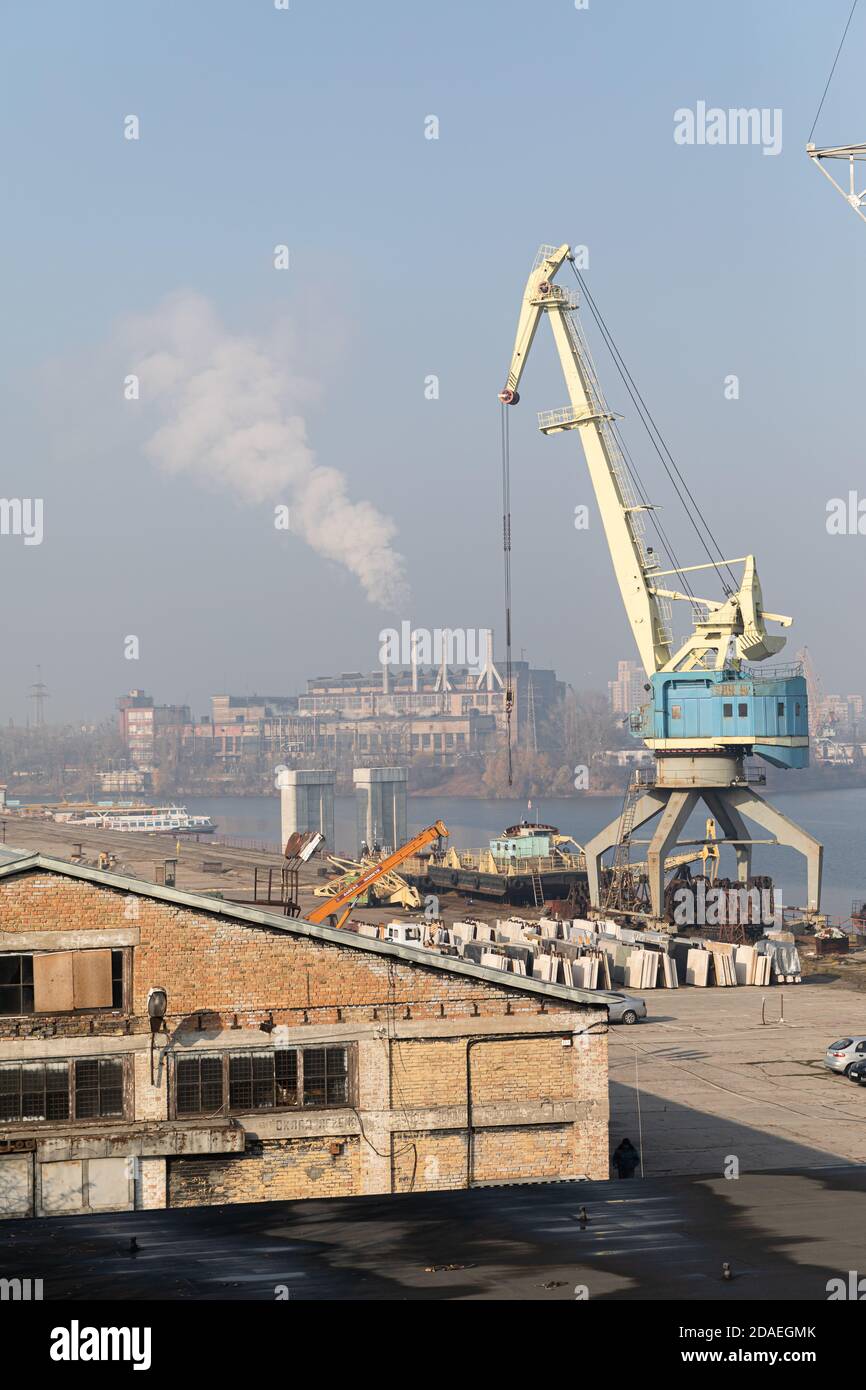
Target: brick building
{"x":296,"y":1061}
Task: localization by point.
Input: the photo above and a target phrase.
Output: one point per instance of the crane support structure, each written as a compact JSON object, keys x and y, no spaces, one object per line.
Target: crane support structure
{"x":852,"y":155}
{"x":707,"y":710}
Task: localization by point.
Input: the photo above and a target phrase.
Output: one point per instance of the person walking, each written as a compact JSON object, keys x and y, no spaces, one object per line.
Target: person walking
{"x":625,"y":1159}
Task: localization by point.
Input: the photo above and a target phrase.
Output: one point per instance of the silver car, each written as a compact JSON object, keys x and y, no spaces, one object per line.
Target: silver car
{"x":842,"y":1054}
{"x":627,"y":1009}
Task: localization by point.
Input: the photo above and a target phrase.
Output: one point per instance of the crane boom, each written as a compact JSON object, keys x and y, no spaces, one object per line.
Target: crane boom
{"x":343,"y":902}
{"x":588,"y":414}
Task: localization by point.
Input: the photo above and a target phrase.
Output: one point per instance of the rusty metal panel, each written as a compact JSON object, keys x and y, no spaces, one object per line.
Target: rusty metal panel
{"x":52,"y":982}
{"x":91,"y":975}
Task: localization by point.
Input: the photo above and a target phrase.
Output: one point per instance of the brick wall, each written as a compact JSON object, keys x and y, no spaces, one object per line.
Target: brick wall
{"x":538,"y":1107}
{"x":276,"y":1171}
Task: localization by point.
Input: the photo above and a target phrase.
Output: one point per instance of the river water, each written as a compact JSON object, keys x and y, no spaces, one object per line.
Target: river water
{"x":837,"y":818}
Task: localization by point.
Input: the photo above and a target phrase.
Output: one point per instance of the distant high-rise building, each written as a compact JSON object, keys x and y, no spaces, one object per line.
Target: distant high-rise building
{"x":627,"y":691}
{"x":142,"y":722}
{"x":843,"y":712}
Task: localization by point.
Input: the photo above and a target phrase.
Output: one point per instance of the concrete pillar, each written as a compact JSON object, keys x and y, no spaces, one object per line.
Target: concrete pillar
{"x":380,"y":800}
{"x":307,"y":802}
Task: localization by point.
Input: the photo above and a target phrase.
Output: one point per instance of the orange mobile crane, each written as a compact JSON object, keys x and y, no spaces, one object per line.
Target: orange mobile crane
{"x":336,"y":910}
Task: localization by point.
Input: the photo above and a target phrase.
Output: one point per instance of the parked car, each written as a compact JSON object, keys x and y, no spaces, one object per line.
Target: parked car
{"x":841,"y":1055}
{"x":627,"y":1009}
{"x":857,"y":1072}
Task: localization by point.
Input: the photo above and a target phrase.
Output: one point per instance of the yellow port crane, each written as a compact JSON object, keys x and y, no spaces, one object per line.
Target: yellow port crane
{"x":336,"y":910}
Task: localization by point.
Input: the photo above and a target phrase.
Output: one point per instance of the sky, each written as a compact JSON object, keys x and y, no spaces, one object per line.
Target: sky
{"x":307,"y":387}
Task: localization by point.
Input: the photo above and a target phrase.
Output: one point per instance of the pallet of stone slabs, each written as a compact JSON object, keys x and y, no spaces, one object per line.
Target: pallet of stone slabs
{"x":745,"y":964}
{"x":642,"y":970}
{"x":670,"y":978}
{"x":723,"y":968}
{"x":764,"y":970}
{"x":698,"y":967}
{"x":584,"y":972}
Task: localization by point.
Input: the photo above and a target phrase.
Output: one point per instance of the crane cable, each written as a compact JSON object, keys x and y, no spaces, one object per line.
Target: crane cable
{"x":506,"y":550}
{"x":832,"y":70}
{"x":657,"y":440}
{"x":664,"y":541}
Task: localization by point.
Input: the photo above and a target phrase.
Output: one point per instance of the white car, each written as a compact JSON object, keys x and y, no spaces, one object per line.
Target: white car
{"x":627,"y":1009}
{"x":841,"y":1055}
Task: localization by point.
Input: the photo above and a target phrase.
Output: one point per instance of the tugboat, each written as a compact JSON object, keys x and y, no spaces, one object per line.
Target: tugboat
{"x":527,"y":865}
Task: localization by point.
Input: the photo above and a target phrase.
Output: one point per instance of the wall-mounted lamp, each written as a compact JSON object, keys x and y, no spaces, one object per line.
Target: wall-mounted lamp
{"x":157,"y":1003}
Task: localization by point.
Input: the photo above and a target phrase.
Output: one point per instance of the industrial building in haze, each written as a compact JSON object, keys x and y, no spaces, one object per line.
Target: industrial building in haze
{"x":396,"y":713}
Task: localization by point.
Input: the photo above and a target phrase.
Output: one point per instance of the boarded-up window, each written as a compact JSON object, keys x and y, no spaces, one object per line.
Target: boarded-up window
{"x":91,"y":979}
{"x":52,"y":982}
{"x":64,"y":980}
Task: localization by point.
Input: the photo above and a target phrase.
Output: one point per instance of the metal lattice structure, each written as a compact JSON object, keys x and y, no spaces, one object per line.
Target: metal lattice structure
{"x":853,"y":155}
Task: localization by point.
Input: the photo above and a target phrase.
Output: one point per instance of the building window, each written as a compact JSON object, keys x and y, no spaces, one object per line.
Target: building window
{"x":279,"y":1078}
{"x":199,"y":1082}
{"x":89,"y":1088}
{"x":742,"y":710}
{"x":263,"y":1080}
{"x":728,"y":711}
{"x":117,"y":979}
{"x":36,"y":1091}
{"x":16,"y":984}
{"x":326,"y":1076}
{"x":98,"y":1088}
{"x":62,"y":981}
{"x":780,"y":709}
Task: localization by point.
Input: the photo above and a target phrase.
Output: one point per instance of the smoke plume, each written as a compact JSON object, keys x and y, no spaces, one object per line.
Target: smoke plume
{"x":229,"y":408}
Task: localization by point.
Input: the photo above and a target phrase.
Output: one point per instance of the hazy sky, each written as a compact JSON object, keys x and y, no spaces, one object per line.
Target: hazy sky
{"x":407,"y":257}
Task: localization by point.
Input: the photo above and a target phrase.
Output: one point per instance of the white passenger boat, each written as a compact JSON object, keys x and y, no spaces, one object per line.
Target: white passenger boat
{"x":143,"y":820}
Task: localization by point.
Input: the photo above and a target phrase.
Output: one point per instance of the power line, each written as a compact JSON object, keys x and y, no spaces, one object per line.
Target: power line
{"x":832,"y":70}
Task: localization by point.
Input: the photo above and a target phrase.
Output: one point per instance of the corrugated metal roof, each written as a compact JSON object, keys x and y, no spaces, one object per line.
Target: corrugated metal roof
{"x":15,"y":861}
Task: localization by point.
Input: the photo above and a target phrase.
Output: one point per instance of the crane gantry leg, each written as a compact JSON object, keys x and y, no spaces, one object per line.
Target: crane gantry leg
{"x":728,"y":805}
{"x":679,"y":807}
{"x":786,"y":832}
{"x":649,"y":806}
{"x":733,"y":828}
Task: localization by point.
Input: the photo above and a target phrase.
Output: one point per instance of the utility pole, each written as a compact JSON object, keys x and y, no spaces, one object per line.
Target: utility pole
{"x":38,"y":694}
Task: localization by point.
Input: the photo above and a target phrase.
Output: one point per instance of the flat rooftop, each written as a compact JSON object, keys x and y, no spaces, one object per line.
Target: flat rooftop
{"x":785,"y":1234}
